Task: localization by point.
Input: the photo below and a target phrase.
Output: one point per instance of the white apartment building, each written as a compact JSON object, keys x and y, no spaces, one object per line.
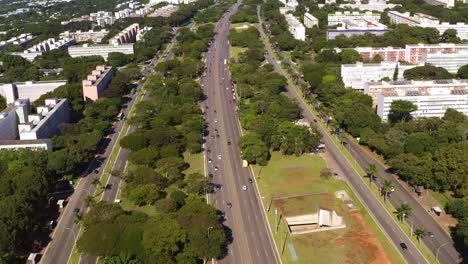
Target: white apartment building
{"x":374,"y":88}
{"x":425,"y":21}
{"x":295,"y":27}
{"x":78,"y":36}
{"x":341,"y":17}
{"x":28,"y":90}
{"x":19,"y":40}
{"x":99,"y":50}
{"x":372,"y":5}
{"x":431,"y":103}
{"x":406,"y":18}
{"x":449,"y":61}
{"x":445,"y":3}
{"x":46,"y":45}
{"x":356,"y":75}
{"x":310,"y":21}
{"x":46,"y":122}
{"x":350,"y":28}
{"x":8,"y":124}
{"x":38,"y":144}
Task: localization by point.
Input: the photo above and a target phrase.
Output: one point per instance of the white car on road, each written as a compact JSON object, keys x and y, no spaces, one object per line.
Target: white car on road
{"x":244,"y":188}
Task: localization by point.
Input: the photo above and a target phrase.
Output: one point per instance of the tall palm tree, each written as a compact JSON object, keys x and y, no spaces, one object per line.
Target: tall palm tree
{"x":403,"y":211}
{"x":387,"y":187}
{"x":89,"y":201}
{"x":96,"y":182}
{"x":371,"y":171}
{"x":420,"y":233}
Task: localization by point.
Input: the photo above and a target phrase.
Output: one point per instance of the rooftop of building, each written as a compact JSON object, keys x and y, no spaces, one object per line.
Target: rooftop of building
{"x":430,"y":92}
{"x":310,"y":16}
{"x":35,"y":82}
{"x":97,"y":75}
{"x":339,"y":13}
{"x":293,"y":21}
{"x":52,"y":104}
{"x":427,"y":82}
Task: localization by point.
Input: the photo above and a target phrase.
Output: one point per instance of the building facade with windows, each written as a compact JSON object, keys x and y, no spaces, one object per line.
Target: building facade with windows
{"x":431,"y":103}
{"x":96,"y":83}
{"x":295,"y":27}
{"x":356,"y":75}
{"x":99,"y":50}
{"x":310,"y":21}
{"x":338,"y":17}
{"x":374,"y":88}
{"x":449,"y":61}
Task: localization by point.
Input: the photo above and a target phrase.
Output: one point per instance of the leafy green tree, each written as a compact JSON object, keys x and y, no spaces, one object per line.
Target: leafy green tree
{"x":121,"y":259}
{"x":450,"y":36}
{"x":395,"y":73}
{"x":253,"y":149}
{"x":400,"y":111}
{"x":134,"y":141}
{"x":145,"y":194}
{"x":163,"y":236}
{"x":118,"y":59}
{"x":463,"y":72}
{"x":427,"y":72}
{"x":326,"y":173}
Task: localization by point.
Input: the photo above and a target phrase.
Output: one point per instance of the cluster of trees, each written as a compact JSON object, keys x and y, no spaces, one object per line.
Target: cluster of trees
{"x":190,"y":235}
{"x":458,"y":207}
{"x":16,"y":68}
{"x":247,"y":38}
{"x":429,"y":72}
{"x":169,"y":123}
{"x":246,"y":13}
{"x":265,"y":112}
{"x":213,"y":13}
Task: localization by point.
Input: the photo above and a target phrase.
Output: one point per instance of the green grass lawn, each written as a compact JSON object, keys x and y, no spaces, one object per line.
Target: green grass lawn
{"x":235,"y":51}
{"x":195,"y":162}
{"x":357,"y":243}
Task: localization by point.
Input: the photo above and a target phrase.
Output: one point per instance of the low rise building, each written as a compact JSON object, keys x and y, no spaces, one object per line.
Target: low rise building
{"x":295,"y":27}
{"x":431,"y":103}
{"x":79,"y":36}
{"x":96,"y":83}
{"x":45,"y":123}
{"x":36,"y":144}
{"x":22,"y":39}
{"x":8,"y":124}
{"x":374,"y":88}
{"x":372,"y":5}
{"x":102,"y":18}
{"x":47,"y":45}
{"x":449,"y":61}
{"x":411,"y":53}
{"x":102,"y":50}
{"x":339,"y":18}
{"x":445,"y":3}
{"x":164,"y":11}
{"x":351,"y":28}
{"x":128,"y":35}
{"x":310,"y":21}
{"x":425,"y":21}
{"x":31,"y":90}
{"x":356,"y":75}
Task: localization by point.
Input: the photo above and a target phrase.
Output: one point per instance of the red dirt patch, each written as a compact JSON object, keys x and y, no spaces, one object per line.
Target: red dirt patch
{"x":365,"y":244}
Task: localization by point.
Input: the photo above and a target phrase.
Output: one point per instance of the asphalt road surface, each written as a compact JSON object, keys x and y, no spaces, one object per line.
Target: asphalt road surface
{"x":65,"y":233}
{"x":373,"y":206}
{"x":252,"y":241}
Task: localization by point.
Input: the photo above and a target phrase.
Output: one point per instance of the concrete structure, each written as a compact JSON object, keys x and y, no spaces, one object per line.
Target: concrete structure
{"x":22,"y":39}
{"x":78,"y":36}
{"x":324,"y":219}
{"x":411,"y":53}
{"x":445,"y":3}
{"x":449,"y":61}
{"x":46,"y":122}
{"x":46,"y":45}
{"x":406,"y":18}
{"x":374,"y":88}
{"x":425,"y":21}
{"x":339,"y":18}
{"x":99,"y":50}
{"x":37,"y":144}
{"x":128,"y":35}
{"x":351,"y":28}
{"x":142,"y":32}
{"x":102,"y":18}
{"x":356,"y":75}
{"x":372,"y":5}
{"x":96,"y":83}
{"x":431,"y":103}
{"x":290,"y":3}
{"x":8,"y":124}
{"x":295,"y":27}
{"x":30,"y":90}
{"x":164,"y":11}
{"x":310,"y":21}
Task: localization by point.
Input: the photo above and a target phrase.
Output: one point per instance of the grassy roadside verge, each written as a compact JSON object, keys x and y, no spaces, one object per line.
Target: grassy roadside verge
{"x":390,"y":209}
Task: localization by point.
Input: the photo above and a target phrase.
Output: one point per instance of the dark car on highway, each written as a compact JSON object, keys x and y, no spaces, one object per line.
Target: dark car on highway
{"x":403,"y":246}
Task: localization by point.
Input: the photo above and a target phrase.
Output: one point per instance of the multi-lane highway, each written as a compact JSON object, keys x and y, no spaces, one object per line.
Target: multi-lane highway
{"x":65,"y":233}
{"x":252,"y":240}
{"x":375,"y":208}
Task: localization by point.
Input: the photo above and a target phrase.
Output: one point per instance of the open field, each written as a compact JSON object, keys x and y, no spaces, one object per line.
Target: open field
{"x":360,"y":242}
